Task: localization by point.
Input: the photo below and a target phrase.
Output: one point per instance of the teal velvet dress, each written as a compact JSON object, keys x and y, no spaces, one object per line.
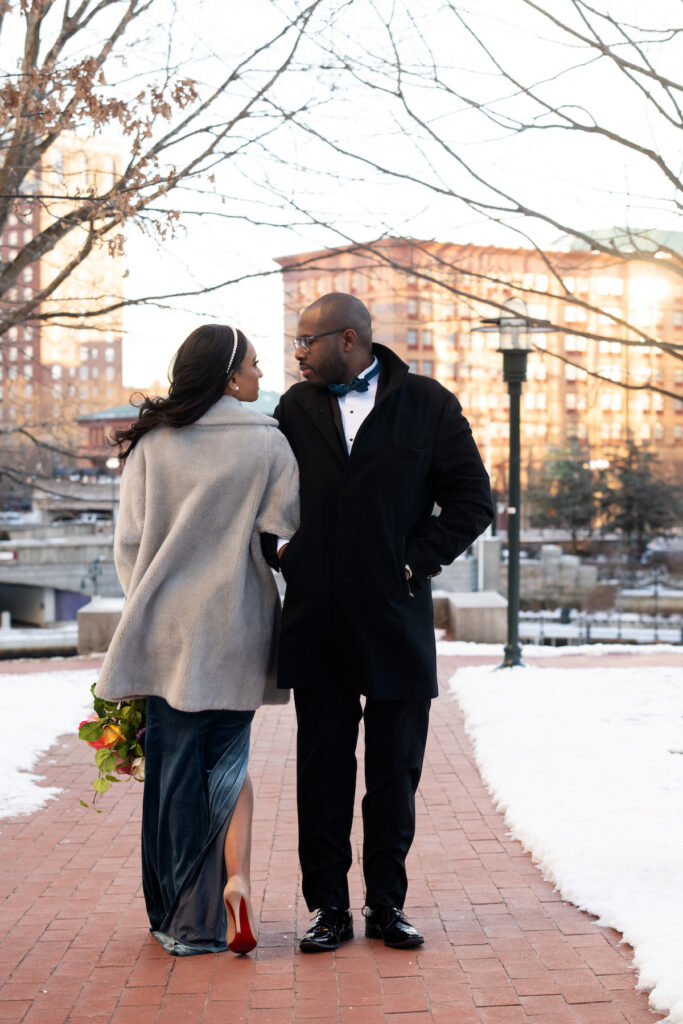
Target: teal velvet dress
{"x":195,"y":765}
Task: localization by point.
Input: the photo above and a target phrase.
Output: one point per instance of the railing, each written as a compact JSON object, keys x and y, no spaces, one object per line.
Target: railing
{"x":582,"y":628}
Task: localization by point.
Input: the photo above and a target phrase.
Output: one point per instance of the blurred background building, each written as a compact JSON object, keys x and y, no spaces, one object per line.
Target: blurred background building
{"x":429,"y":315}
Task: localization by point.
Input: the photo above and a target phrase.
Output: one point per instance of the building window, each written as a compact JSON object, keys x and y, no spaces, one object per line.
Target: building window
{"x":678,"y":432}
{"x":658,"y":431}
{"x":28,"y":371}
{"x":575,"y":314}
{"x":411,"y":308}
{"x":678,"y":318}
{"x":56,"y":372}
{"x":427,"y":367}
{"x":83,"y":372}
{"x":570,"y":401}
{"x":412,"y":366}
{"x":411,"y":338}
{"x":427,"y":339}
{"x":426,"y":309}
{"x":94,"y":353}
{"x":411,"y":279}
{"x":610,"y":286}
{"x":109,"y":355}
{"x":109,"y":373}
{"x":574,"y":343}
{"x":678,"y":405}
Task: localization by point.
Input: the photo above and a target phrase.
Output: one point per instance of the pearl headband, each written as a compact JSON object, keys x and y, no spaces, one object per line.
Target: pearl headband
{"x":234,"y":347}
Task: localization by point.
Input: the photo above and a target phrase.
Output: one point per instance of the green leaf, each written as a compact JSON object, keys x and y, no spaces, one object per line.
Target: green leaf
{"x":101,"y":785}
{"x":91,"y":730}
{"x":82,"y":802}
{"x":112,"y":778}
{"x":106,"y":762}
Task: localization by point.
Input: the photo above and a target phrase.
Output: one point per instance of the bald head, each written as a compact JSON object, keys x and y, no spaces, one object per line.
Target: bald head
{"x":339,"y":310}
{"x":340,"y":332}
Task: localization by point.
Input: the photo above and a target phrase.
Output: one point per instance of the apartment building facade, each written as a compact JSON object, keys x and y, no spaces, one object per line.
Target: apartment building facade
{"x":428,"y":300}
{"x":65,"y":358}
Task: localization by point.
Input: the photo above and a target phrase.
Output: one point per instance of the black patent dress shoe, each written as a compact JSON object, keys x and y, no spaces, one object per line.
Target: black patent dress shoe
{"x":389,"y":923}
{"x":330,"y":928}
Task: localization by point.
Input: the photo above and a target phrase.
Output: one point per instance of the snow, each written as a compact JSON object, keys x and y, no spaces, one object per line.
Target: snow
{"x":587,"y":765}
{"x":36,"y":708}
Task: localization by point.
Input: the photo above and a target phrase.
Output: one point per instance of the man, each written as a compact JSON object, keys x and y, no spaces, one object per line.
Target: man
{"x":377,"y":448}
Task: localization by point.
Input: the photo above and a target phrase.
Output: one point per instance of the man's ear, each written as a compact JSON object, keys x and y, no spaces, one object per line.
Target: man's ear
{"x":350,"y":339}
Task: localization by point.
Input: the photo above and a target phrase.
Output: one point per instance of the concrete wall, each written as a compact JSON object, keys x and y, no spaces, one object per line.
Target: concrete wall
{"x":478,"y":617}
{"x":34,"y":605}
{"x":97,"y":622}
{"x":555,"y":577}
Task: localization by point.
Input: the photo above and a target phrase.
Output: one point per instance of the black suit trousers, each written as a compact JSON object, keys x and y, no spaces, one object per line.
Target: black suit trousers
{"x":395,"y":737}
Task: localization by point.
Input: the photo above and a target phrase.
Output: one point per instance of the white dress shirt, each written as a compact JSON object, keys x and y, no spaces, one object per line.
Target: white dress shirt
{"x":354,"y":408}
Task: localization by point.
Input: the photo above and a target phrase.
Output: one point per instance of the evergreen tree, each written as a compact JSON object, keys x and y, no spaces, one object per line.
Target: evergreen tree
{"x":562,"y":494}
{"x":638,"y":499}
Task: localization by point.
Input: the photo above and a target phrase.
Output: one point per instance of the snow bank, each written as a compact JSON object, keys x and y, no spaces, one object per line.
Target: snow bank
{"x":587,"y":766}
{"x":36,"y":709}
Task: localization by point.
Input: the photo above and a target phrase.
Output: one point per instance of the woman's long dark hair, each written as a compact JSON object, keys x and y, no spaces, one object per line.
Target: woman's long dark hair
{"x":198,"y":378}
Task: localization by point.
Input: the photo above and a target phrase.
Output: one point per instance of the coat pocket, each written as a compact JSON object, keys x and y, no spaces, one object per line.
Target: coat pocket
{"x":404,"y":589}
{"x":405,"y":451}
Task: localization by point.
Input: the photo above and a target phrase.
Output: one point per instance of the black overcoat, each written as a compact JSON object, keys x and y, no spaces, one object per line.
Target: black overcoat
{"x":350,"y":615}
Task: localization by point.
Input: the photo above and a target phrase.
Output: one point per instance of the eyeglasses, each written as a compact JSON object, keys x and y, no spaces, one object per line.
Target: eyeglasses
{"x":306,"y":340}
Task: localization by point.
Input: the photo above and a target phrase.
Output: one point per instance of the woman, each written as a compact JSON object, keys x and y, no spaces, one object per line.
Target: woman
{"x":204,"y":477}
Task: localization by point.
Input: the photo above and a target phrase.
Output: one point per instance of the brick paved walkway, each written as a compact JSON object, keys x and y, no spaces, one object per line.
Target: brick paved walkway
{"x":501,"y":947}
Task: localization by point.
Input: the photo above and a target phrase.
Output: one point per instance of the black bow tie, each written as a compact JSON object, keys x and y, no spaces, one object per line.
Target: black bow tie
{"x":357,"y":384}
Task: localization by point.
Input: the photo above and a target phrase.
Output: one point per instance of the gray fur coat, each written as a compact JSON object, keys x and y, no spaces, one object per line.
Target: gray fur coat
{"x":200,"y":621}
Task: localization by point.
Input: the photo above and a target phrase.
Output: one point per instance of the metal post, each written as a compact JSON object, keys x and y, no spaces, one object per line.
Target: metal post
{"x":514,"y":373}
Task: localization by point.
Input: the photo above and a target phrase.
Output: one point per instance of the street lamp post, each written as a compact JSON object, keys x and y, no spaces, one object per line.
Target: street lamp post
{"x":513,"y":326}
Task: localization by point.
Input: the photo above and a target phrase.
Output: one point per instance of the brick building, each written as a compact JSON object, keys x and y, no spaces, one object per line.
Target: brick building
{"x":427,"y":301}
{"x":53,"y":369}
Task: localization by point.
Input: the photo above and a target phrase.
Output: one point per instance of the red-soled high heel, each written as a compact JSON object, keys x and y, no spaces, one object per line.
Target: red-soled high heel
{"x":240,"y":937}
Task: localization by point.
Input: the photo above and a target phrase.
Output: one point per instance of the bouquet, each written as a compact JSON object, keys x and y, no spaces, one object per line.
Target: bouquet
{"x":116,"y":730}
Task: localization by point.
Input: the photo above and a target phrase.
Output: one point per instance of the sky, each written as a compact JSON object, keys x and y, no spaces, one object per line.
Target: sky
{"x":312,"y":196}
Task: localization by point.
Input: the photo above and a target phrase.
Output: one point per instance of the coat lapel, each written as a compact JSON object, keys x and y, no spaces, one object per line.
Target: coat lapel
{"x":316,"y":403}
